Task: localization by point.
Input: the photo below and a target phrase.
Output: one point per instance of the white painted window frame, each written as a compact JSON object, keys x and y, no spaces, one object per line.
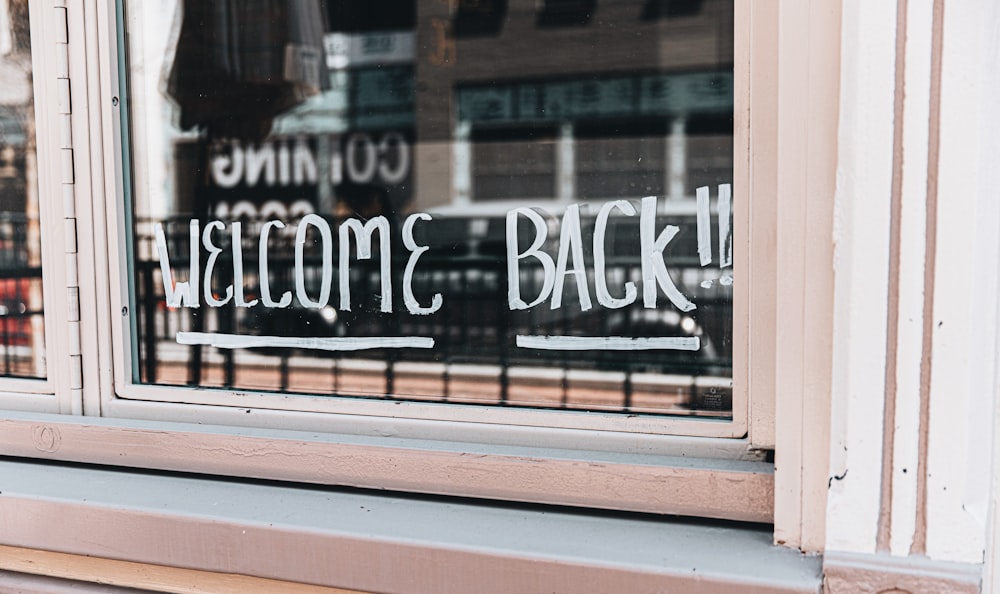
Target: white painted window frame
{"x":58,"y":391}
{"x":227,"y":406}
{"x":667,"y":472}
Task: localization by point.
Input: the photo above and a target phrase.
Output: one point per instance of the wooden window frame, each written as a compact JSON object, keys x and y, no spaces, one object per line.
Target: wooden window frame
{"x":668,"y":472}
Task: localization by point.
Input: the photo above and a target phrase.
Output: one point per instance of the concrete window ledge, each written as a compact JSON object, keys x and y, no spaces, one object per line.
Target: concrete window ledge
{"x":370,"y":542}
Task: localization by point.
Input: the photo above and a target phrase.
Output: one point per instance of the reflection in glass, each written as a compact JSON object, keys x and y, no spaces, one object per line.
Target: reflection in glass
{"x":22,"y":332}
{"x":566,"y":165}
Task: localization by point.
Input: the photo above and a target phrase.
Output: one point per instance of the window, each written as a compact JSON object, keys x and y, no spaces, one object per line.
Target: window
{"x":293,"y":202}
{"x":288,"y":232}
{"x":22,"y":328}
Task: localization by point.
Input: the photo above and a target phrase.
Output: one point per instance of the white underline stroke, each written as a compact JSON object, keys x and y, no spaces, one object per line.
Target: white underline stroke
{"x":237,"y":341}
{"x":609,"y":343}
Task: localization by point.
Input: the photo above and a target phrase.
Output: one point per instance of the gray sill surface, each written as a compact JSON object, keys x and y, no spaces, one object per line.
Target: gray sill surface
{"x":710,"y":552}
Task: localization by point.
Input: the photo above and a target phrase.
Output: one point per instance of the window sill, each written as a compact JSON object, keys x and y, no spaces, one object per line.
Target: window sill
{"x":380,"y":542}
{"x":681,"y":479}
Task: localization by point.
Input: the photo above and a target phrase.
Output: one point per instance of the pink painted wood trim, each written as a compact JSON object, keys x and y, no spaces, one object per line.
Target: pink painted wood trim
{"x":716,"y":489}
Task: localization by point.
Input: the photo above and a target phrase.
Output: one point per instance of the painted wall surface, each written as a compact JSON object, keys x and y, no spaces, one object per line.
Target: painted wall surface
{"x":916,"y":282}
{"x":965,"y":314}
{"x":861,"y":261}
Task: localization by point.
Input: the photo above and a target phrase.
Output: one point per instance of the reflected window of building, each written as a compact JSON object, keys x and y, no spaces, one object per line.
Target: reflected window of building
{"x":22,"y":331}
{"x":659,"y":9}
{"x":564,"y":13}
{"x":479,"y":17}
{"x":514,"y":163}
{"x":389,"y":204}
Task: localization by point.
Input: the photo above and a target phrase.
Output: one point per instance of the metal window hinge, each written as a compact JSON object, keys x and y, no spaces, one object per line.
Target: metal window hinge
{"x":67,"y":180}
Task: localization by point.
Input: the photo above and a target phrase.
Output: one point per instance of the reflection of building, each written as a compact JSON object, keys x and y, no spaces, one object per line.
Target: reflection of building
{"x":493,"y":100}
{"x":17,"y":191}
{"x":617,"y":104}
{"x":22,"y":346}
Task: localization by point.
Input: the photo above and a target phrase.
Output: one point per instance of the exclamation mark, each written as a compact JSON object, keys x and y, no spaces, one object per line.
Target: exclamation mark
{"x":704,"y":226}
{"x":704,"y":221}
{"x":725,"y":232}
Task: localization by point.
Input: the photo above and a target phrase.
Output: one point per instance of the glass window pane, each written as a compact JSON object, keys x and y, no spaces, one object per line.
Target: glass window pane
{"x":22,"y":332}
{"x":497,"y":203}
